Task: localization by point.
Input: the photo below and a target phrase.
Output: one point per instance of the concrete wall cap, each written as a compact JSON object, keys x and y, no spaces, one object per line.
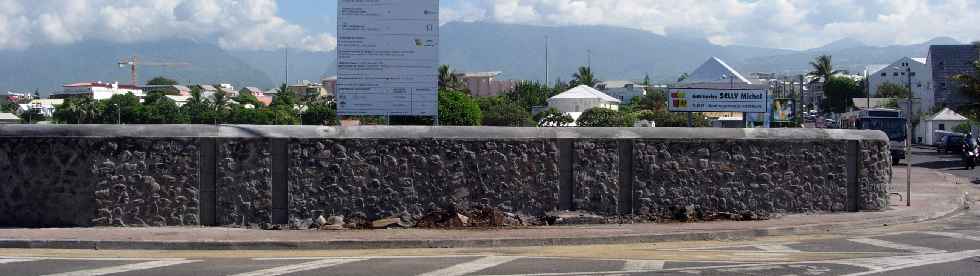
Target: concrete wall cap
{"x":422,"y":132}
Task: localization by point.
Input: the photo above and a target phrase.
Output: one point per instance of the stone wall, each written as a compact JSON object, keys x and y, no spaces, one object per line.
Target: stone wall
{"x":252,"y":176}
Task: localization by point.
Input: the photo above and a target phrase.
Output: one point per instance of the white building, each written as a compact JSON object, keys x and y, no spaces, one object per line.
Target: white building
{"x":582,"y":98}
{"x":716,"y":73}
{"x":945,"y":120}
{"x":625,"y":91}
{"x":97,"y":90}
{"x":897,"y":73}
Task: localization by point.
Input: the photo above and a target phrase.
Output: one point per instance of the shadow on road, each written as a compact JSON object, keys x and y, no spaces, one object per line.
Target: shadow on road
{"x":937,"y":165}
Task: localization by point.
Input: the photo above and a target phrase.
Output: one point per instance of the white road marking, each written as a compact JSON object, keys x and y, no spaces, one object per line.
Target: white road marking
{"x":632,"y":265}
{"x":776,"y":248}
{"x":899,"y":246}
{"x":282,"y":270}
{"x":361,"y":258}
{"x":16,"y":260}
{"x":124,"y":268}
{"x":954,"y":235}
{"x":885,"y":264}
{"x":472,"y":266}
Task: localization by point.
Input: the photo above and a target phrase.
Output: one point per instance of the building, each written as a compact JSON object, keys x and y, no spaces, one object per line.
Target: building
{"x":97,"y":90}
{"x":308,"y":89}
{"x":172,"y":90}
{"x":946,"y":61}
{"x":582,"y":98}
{"x":330,"y":83}
{"x":486,"y":84}
{"x":625,"y":91}
{"x":46,"y":109}
{"x":715,"y":73}
{"x":898,"y":73}
{"x":945,"y":120}
{"x":258,"y":93}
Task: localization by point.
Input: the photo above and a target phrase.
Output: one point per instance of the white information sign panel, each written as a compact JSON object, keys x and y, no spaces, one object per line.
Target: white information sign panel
{"x":387,"y":57}
{"x":717,"y":100}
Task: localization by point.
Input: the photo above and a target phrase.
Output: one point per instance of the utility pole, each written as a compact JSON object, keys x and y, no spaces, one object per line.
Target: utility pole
{"x":285,"y":57}
{"x":908,"y":142}
{"x":546,"y":65}
{"x":589,"y":60}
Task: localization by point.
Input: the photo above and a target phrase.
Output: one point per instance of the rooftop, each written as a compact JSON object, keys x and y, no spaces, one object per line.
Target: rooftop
{"x":585,"y":92}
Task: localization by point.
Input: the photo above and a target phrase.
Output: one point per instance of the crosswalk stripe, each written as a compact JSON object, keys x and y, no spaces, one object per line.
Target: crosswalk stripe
{"x":776,"y":248}
{"x":15,"y":260}
{"x":124,"y":268}
{"x":642,"y":265}
{"x":954,"y":235}
{"x":899,"y":246}
{"x":472,"y":266}
{"x":882,"y":265}
{"x":299,"y":267}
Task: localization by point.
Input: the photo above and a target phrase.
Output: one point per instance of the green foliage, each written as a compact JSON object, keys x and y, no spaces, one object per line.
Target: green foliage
{"x":528,"y":94}
{"x":584,"y":76}
{"x":458,"y":109}
{"x":671,"y":119}
{"x":891,"y":103}
{"x":248,"y":98}
{"x":965,"y":128}
{"x":602,"y":117}
{"x":553,"y":118}
{"x":891,"y":90}
{"x":8,"y":107}
{"x":823,"y":68}
{"x":320,"y":114}
{"x":501,"y":111}
{"x":285,"y":97}
{"x":32,"y":116}
{"x":840,"y":93}
{"x":654,"y":100}
{"x":449,"y":80}
{"x":161,"y":81}
{"x":161,"y":110}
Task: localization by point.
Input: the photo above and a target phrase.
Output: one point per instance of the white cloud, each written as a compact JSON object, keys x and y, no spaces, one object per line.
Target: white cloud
{"x":233,"y":24}
{"x":797,"y":24}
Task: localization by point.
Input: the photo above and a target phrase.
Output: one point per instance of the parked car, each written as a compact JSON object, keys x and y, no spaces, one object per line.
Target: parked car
{"x":950,"y":144}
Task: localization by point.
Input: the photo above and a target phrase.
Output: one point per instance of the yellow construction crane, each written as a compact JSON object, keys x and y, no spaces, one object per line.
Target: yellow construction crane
{"x":134,"y":63}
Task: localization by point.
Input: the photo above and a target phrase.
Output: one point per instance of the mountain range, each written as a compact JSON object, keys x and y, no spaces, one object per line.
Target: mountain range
{"x":516,"y":50}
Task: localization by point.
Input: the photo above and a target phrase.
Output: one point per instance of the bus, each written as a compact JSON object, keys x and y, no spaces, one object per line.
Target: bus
{"x":890,"y":121}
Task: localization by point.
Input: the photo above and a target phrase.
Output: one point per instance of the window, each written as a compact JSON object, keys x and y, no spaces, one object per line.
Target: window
{"x":895,"y":74}
{"x":884,"y":74}
{"x":942,"y":127}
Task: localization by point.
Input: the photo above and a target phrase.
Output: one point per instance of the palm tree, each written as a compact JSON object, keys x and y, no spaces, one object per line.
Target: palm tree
{"x":682,"y":78}
{"x":448,"y":79}
{"x":584,"y":76}
{"x":823,"y":68}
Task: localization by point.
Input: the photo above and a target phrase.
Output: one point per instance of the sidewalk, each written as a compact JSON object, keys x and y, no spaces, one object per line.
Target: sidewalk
{"x":935,"y":195}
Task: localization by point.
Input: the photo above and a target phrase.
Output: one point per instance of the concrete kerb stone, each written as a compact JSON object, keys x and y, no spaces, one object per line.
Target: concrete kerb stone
{"x":473,"y":243}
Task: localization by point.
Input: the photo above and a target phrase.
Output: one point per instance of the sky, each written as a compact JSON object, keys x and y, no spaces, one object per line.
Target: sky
{"x":311,"y":24}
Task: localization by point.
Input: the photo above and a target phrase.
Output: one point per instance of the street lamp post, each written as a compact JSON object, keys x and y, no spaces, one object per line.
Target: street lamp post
{"x":908,"y":141}
{"x":118,"y":114}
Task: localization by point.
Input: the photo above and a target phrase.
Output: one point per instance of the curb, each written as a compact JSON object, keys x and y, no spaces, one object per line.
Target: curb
{"x":478,"y":243}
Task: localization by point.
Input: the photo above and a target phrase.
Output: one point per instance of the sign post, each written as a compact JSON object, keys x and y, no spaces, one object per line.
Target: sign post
{"x":387,"y":58}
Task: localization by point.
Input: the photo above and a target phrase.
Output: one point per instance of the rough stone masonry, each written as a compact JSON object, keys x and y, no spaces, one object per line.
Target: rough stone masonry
{"x":257,"y":176}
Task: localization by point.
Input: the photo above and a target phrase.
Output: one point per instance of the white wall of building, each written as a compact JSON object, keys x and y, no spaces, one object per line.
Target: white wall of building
{"x":896,"y":73}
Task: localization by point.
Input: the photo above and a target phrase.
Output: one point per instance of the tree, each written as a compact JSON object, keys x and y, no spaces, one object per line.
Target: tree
{"x":528,"y":95}
{"x":840,"y":93}
{"x":162,"y":110}
{"x":553,"y":118}
{"x":449,"y":79}
{"x":585,"y":77}
{"x":32,"y":116}
{"x":500,"y":111}
{"x":964,"y":128}
{"x":654,"y":100}
{"x":891,"y":90}
{"x":320,"y":114}
{"x":970,"y":85}
{"x":683,"y":77}
{"x":285,"y":98}
{"x":198,"y":109}
{"x":458,"y":109}
{"x":161,"y":81}
{"x":603,"y":117}
{"x":78,"y":110}
{"x":664,"y":118}
{"x":122,"y":108}
{"x":823,"y":68}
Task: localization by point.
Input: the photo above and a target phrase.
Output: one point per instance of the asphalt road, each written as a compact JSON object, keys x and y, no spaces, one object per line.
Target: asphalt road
{"x":949,"y":163}
{"x":947,"y":247}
